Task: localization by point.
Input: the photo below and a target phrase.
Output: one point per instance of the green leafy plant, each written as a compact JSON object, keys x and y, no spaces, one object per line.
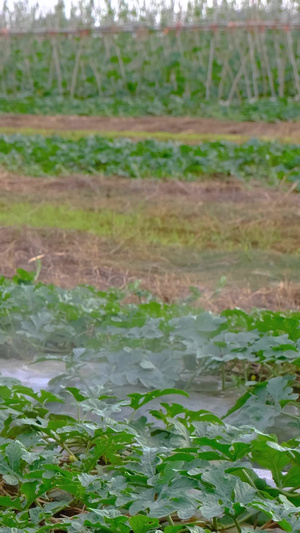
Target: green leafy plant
{"x":266,"y":110}
{"x":38,"y":155}
{"x":188,"y":472}
{"x":148,"y":344}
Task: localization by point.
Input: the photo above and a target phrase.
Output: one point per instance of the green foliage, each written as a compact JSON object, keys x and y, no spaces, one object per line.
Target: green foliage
{"x":37,"y":155}
{"x":103,"y":342}
{"x":170,"y":64}
{"x":188,"y":471}
{"x":266,"y":110}
{"x":80,"y":460}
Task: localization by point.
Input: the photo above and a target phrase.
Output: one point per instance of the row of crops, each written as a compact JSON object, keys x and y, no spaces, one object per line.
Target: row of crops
{"x":160,"y":345}
{"x":112,"y":445}
{"x":38,"y":155}
{"x":266,"y":109}
{"x":223,"y":64}
{"x":78,"y":458}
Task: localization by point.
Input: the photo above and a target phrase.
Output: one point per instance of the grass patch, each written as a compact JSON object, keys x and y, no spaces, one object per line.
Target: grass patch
{"x":186,"y":138}
{"x":207,"y":232}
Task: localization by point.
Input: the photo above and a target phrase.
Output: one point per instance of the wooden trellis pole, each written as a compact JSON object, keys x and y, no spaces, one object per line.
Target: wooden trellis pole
{"x":57,"y":65}
{"x":280,"y":64}
{"x":76,"y":67}
{"x":262,"y":72}
{"x":237,"y":78}
{"x":3,"y":60}
{"x":210,"y":66}
{"x":293,"y":59}
{"x":240,"y":46}
{"x":120,"y":61}
{"x":213,"y":69}
{"x":97,"y":76}
{"x":253,"y":64}
{"x":226,"y":69}
{"x":267,"y":63}
{"x":27,"y":65}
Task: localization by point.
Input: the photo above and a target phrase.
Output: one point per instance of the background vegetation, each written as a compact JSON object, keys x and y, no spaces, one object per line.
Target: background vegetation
{"x":175,"y":54}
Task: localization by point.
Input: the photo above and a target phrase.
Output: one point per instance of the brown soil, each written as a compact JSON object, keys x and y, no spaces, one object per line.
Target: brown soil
{"x":82,"y":187}
{"x":70,"y":257}
{"x":214,"y":215}
{"x":153,"y":124}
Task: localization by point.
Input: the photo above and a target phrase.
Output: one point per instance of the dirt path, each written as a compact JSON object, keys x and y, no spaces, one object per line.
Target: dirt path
{"x":153,"y":124}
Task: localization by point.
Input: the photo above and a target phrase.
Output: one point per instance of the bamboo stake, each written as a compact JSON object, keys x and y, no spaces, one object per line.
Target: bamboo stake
{"x":96,"y":75}
{"x":260,"y":55}
{"x":222,"y":79}
{"x":268,"y":67}
{"x":76,"y":68}
{"x":187,"y":90}
{"x":120,"y":61}
{"x":237,"y":79}
{"x":141,"y":39}
{"x":253,"y":64}
{"x":50,"y":72}
{"x":227,"y":68}
{"x":293,"y":60}
{"x":280,"y":66}
{"x":106,"y":46}
{"x":153,"y":50}
{"x":245,"y":73}
{"x":27,"y":67}
{"x":12,"y":72}
{"x":2,"y":65}
{"x":167,"y":49}
{"x":199,"y":51}
{"x":210,"y":66}
{"x":57,"y":65}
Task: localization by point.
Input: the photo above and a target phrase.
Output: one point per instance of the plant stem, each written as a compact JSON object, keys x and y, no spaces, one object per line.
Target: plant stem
{"x":237,"y":525}
{"x":245,"y":371}
{"x":170,"y":520}
{"x":223,"y":377}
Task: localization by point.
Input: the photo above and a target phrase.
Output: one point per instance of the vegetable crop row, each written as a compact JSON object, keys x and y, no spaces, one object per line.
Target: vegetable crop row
{"x":150,"y":344}
{"x":81,"y":460}
{"x":211,"y":65}
{"x":37,"y":155}
{"x":189,"y":472}
{"x":267,"y":110}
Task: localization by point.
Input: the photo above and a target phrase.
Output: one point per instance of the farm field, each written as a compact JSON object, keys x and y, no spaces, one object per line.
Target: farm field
{"x":163,"y":227}
{"x":267,"y":110}
{"x":128,"y":460}
{"x":219,"y":214}
{"x":149,"y":282}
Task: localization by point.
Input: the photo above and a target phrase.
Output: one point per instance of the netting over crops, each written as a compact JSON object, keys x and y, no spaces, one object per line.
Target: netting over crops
{"x":163,"y":52}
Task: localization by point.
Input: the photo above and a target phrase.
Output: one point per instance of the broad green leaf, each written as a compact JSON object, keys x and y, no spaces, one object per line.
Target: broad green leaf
{"x":143,"y":524}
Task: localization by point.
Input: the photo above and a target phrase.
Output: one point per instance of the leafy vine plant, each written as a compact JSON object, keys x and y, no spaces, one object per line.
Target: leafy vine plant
{"x":191,"y":472}
{"x":77,"y":457}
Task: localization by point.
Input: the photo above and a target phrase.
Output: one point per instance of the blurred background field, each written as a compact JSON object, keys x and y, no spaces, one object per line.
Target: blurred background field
{"x":153,"y":143}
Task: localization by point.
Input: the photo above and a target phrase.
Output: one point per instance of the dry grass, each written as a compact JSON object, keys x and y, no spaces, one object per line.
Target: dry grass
{"x":206,"y":216}
{"x":69,"y":259}
{"x":213,"y":215}
{"x":185,"y":129}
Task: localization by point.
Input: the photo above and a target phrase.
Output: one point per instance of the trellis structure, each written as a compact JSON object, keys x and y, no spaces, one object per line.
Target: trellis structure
{"x":241,"y":60}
